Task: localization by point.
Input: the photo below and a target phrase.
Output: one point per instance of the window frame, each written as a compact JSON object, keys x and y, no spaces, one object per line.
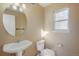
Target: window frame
{"x":61,"y":30}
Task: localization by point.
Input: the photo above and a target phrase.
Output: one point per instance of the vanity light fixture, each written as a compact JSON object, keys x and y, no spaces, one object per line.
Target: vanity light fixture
{"x":19,"y":7}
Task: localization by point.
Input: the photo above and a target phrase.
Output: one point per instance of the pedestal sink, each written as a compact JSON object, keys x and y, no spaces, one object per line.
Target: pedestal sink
{"x":17,"y":47}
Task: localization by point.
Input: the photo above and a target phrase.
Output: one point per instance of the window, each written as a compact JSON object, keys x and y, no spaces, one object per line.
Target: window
{"x":61,"y":19}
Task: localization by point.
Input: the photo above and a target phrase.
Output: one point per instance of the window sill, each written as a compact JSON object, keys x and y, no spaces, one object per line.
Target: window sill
{"x":61,"y":31}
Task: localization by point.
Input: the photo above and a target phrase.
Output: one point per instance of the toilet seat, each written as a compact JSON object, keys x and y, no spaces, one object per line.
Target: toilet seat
{"x":47,"y":52}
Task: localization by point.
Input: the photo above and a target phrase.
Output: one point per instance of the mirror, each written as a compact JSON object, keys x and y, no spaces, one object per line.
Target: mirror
{"x":9,"y":23}
{"x":14,"y":21}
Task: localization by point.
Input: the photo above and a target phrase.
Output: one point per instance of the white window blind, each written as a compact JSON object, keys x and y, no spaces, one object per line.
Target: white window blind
{"x":61,"y":19}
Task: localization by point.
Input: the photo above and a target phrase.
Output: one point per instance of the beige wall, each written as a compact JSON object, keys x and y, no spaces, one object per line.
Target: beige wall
{"x":35,"y":20}
{"x":35,"y":16}
{"x":69,"y":40}
{"x":34,"y":24}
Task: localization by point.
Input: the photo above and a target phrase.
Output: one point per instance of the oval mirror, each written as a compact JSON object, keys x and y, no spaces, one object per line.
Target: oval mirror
{"x":14,"y":21}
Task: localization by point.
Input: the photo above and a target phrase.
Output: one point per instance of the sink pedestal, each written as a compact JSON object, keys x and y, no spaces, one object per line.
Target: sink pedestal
{"x":17,"y":47}
{"x":19,"y":53}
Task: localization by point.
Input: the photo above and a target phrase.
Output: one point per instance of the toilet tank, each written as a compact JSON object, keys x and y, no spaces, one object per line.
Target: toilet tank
{"x":40,"y":45}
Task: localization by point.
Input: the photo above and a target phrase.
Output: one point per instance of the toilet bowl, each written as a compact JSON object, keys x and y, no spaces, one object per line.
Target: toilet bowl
{"x":42,"y":50}
{"x":47,"y":52}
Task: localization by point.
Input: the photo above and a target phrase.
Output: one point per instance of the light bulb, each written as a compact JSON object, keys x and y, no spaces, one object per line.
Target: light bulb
{"x":14,"y":7}
{"x":20,"y":9}
{"x":24,"y":6}
{"x":17,"y":4}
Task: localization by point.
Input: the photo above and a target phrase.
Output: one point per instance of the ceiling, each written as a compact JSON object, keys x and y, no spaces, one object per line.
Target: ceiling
{"x":44,"y":4}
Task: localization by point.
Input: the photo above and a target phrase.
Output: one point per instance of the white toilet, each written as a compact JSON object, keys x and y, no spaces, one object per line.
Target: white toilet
{"x":42,"y":51}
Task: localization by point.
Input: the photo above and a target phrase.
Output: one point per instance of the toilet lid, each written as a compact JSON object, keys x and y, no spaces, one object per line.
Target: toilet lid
{"x":47,"y":52}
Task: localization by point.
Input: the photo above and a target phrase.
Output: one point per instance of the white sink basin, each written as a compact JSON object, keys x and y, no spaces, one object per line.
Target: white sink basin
{"x":17,"y":47}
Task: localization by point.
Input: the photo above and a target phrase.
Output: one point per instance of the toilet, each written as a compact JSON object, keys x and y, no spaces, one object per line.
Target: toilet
{"x":42,"y":51}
